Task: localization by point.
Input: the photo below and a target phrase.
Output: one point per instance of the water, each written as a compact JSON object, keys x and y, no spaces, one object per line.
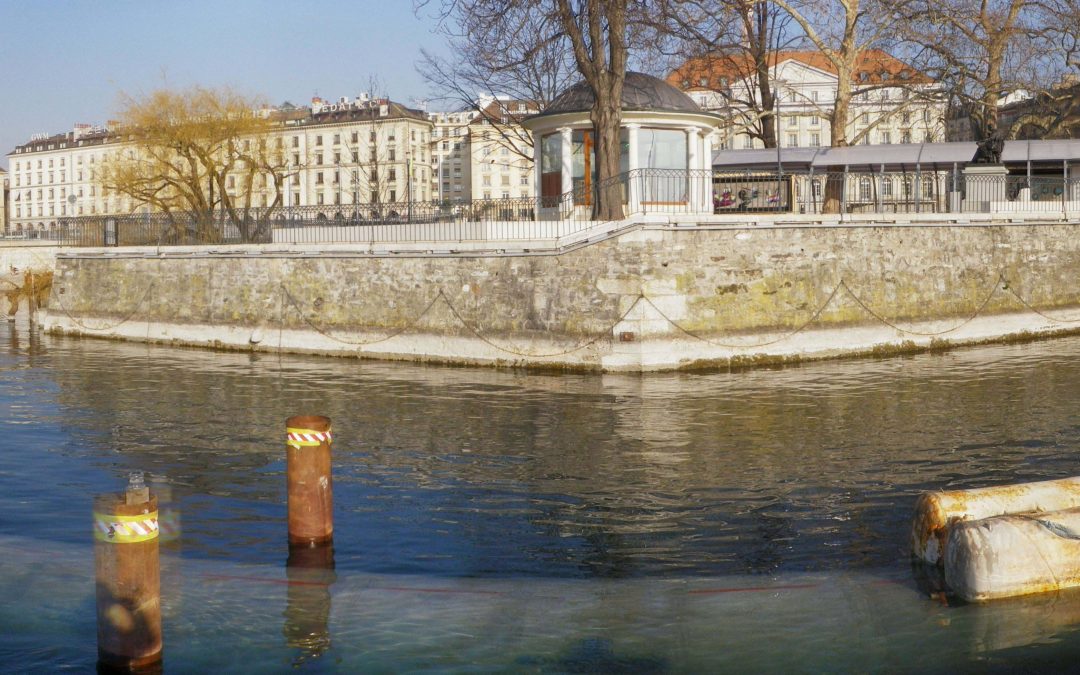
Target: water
{"x":491,"y":521}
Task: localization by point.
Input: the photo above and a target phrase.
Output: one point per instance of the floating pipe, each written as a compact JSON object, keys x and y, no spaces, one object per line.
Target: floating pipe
{"x":1010,"y":555}
{"x":937,"y":512}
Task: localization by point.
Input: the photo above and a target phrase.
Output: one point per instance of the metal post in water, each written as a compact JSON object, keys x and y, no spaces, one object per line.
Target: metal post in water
{"x":127,"y":577}
{"x":311,"y":500}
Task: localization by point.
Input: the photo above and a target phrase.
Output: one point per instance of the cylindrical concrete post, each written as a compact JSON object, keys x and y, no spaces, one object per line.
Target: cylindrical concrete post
{"x":311,"y":498}
{"x":126,"y":569}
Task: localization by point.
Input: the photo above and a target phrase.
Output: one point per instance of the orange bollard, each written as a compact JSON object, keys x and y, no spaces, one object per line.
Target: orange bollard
{"x":311,"y":491}
{"x":126,"y":569}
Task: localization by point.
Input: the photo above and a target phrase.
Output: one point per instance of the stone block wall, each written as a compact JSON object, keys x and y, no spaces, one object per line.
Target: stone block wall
{"x":655,"y":297}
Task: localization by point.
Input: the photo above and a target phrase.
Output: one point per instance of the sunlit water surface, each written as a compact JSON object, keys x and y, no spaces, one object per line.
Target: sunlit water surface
{"x":497,"y":521}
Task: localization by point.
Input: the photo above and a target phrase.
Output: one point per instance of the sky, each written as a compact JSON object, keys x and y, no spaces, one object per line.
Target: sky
{"x":66,"y":61}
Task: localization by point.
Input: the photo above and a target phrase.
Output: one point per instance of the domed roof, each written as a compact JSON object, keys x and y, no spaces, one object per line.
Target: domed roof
{"x":641,"y":92}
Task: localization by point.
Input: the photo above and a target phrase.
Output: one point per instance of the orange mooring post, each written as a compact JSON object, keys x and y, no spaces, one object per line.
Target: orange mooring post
{"x":127,"y":574}
{"x":311,"y":491}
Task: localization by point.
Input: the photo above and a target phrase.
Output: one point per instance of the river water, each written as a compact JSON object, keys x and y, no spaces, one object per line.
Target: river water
{"x":504,"y":521}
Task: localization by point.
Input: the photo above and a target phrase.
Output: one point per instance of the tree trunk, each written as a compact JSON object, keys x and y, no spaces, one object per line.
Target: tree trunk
{"x":606,"y":117}
{"x":832,"y":201}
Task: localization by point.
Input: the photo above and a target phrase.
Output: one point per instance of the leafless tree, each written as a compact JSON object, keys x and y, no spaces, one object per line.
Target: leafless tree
{"x":530,"y":70}
{"x":733,"y":43}
{"x":596,"y":32}
{"x":983,"y":51}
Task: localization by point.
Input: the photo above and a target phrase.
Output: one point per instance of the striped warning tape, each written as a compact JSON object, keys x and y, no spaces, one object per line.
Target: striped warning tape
{"x":116,"y":529}
{"x":300,"y":438}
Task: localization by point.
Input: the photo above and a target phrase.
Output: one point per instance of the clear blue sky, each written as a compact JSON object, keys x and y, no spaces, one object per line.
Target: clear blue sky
{"x":63,"y":61}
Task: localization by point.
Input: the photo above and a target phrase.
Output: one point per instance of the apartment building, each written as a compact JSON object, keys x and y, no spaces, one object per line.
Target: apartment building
{"x":893,"y":102}
{"x":451,"y":149}
{"x":3,"y":202}
{"x":484,"y":153}
{"x":501,"y":151}
{"x":338,"y":153}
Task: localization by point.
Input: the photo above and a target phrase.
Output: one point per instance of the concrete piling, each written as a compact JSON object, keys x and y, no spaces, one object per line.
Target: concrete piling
{"x":127,"y":576}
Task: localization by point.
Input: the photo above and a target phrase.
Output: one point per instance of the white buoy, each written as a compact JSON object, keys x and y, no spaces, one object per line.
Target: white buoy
{"x":1020,"y":554}
{"x":937,"y":512}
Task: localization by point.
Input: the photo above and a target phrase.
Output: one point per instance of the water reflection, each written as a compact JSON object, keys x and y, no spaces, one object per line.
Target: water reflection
{"x":310,"y":574}
{"x":498,"y":473}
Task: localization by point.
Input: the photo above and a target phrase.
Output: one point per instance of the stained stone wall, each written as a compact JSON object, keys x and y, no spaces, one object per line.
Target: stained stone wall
{"x":655,"y":297}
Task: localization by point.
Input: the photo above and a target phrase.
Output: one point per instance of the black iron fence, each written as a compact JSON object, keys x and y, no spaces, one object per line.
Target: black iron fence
{"x":547,"y":218}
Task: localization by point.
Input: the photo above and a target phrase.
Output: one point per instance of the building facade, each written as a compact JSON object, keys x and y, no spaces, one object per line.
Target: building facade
{"x":3,"y":202}
{"x":339,"y":155}
{"x":484,"y":153}
{"x":501,"y":152}
{"x":452,"y":153}
{"x":892,"y":102}
{"x":1023,"y":115}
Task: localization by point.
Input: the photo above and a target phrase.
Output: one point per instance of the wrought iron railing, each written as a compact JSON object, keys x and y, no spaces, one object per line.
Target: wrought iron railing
{"x":642,"y":191}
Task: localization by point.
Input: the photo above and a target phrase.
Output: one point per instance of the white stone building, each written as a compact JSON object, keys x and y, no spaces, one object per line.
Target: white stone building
{"x":452,"y":155}
{"x":339,"y":154}
{"x":3,"y":201}
{"x":892,"y":103}
{"x":485,"y":153}
{"x":501,"y":150}
{"x":53,"y":177}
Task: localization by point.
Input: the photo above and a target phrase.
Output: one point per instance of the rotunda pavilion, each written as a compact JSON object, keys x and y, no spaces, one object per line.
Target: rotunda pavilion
{"x":666,"y":148}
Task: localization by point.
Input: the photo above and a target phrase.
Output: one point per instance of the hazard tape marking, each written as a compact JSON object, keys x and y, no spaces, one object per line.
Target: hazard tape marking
{"x":303,"y":438}
{"x":115,"y":529}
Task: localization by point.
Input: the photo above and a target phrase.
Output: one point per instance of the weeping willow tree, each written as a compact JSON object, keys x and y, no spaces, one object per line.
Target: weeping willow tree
{"x":189,"y":153}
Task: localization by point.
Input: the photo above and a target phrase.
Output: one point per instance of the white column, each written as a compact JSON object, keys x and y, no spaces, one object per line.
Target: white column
{"x":567,"y":155}
{"x":693,"y":163}
{"x":635,"y":179}
{"x":538,"y":152}
{"x":706,"y":167}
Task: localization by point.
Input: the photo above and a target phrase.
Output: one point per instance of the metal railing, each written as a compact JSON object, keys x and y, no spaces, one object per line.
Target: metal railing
{"x":642,"y":191}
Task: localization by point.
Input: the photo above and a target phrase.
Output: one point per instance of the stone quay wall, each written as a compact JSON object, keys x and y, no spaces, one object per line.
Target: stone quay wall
{"x":17,"y":257}
{"x":654,"y":296}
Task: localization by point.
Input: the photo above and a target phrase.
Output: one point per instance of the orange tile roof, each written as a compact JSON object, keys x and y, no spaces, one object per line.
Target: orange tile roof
{"x":714,"y":68}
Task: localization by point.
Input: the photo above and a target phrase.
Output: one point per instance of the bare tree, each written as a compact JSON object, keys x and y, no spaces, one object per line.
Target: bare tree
{"x":533,"y":69}
{"x":732,"y":43}
{"x":986,"y":50}
{"x":844,"y":32}
{"x":595,"y":30}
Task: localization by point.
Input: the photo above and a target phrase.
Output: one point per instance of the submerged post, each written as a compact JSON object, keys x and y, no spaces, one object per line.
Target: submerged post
{"x":311,"y":500}
{"x":126,"y":569}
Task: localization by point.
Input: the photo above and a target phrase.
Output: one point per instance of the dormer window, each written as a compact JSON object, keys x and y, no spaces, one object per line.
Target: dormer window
{"x":864,"y":76}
